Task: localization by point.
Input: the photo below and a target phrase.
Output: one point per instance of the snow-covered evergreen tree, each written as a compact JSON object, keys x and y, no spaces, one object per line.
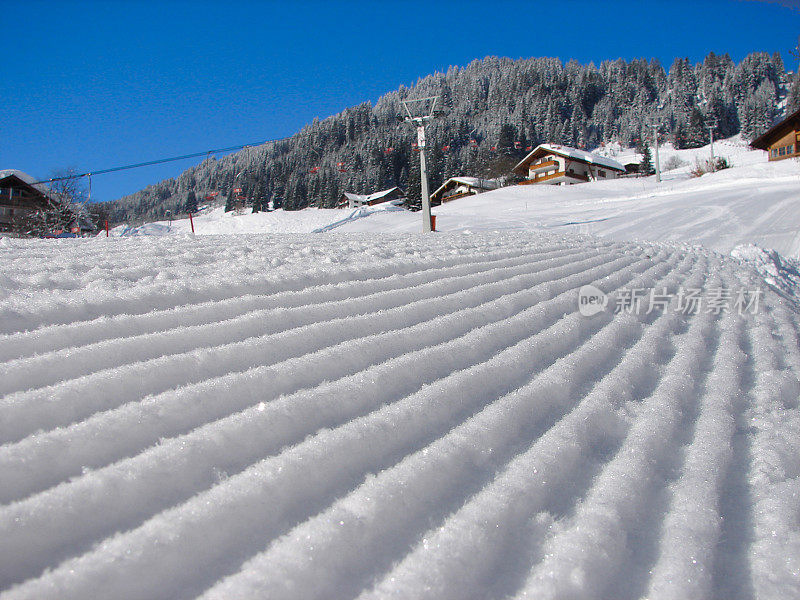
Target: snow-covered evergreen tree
{"x":540,"y":99}
{"x":191,"y":202}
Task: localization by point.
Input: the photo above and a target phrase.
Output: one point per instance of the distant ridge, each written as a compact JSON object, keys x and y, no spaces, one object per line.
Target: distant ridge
{"x":495,"y":109}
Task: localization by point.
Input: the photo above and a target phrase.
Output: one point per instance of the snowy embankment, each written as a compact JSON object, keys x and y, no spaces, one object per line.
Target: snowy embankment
{"x":363,"y":416}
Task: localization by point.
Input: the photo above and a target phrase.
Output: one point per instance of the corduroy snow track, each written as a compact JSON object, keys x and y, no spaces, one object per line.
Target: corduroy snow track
{"x":393,"y":417}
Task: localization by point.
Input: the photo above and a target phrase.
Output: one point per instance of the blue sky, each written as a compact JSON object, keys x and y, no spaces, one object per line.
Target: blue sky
{"x":92,"y":85}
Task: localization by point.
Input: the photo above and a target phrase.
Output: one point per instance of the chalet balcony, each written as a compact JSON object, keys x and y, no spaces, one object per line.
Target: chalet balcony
{"x":20,"y":200}
{"x":556,"y":177}
{"x":456,"y":196}
{"x":547,"y":165}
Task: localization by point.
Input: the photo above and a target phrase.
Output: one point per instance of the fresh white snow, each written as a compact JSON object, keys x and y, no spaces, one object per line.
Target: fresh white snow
{"x":370,"y":412}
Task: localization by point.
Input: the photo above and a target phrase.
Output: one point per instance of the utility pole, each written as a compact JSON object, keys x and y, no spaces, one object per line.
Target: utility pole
{"x":655,"y":123}
{"x":712,"y":125}
{"x":418,"y":112}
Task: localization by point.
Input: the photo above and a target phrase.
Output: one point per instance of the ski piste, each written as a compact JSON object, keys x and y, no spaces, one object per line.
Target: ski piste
{"x":394,"y":415}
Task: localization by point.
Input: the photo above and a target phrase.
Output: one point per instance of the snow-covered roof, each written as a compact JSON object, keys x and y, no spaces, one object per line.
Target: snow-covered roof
{"x":30,"y":180}
{"x":487,"y":184}
{"x":369,"y":197}
{"x":476,"y":182}
{"x":573,"y":153}
{"x":19,"y":174}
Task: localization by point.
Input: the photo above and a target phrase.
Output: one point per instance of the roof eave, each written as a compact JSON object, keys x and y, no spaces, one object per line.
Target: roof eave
{"x":522,"y":166}
{"x":762,"y":141}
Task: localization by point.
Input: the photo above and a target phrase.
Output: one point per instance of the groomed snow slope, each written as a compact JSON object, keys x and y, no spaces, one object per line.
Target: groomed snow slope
{"x":380,"y":416}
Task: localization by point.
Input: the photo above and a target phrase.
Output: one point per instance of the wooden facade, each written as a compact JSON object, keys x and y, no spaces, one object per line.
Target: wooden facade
{"x":782,"y":140}
{"x":562,"y":165}
{"x":19,"y":200}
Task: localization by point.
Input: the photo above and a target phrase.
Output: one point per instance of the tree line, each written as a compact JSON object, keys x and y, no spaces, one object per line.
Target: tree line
{"x":494,"y":110}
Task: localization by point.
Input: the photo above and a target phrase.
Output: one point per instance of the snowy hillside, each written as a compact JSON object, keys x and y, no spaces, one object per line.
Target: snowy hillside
{"x":492,"y":107}
{"x":394,"y":415}
{"x":752,"y":202}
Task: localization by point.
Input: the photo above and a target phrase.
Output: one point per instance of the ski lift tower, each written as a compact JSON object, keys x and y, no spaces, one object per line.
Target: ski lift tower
{"x":655,"y":123}
{"x":418,"y":112}
{"x":711,"y":125}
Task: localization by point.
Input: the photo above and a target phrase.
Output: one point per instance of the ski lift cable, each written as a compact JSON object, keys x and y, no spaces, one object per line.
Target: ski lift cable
{"x":158,"y":161}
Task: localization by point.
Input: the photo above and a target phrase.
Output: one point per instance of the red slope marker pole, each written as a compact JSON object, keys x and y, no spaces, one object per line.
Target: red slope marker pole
{"x":106,"y":227}
{"x":191,"y":222}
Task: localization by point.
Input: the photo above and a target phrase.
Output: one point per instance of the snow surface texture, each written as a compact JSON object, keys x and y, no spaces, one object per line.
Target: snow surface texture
{"x":392,"y":416}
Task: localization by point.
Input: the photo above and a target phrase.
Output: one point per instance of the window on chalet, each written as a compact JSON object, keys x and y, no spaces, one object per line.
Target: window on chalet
{"x":601,"y":173}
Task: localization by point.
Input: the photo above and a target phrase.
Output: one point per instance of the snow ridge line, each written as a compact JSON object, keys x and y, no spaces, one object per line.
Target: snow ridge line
{"x":172,"y":456}
{"x":57,"y":337}
{"x":141,"y":299}
{"x":442,"y":566}
{"x":27,"y":412}
{"x":431,"y":364}
{"x":691,"y":529}
{"x":52,"y":367}
{"x":380,"y":516}
{"x":774,"y":476}
{"x":620,"y":491}
{"x":109,"y":430}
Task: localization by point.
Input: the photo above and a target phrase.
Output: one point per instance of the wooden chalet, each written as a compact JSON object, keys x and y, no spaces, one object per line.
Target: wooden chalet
{"x":561,"y":165}
{"x":459,"y":187}
{"x":349,"y":200}
{"x":782,"y":140}
{"x":20,"y":198}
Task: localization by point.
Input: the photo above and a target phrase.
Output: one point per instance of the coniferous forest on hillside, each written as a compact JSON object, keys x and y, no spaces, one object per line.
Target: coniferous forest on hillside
{"x":494,"y":109}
